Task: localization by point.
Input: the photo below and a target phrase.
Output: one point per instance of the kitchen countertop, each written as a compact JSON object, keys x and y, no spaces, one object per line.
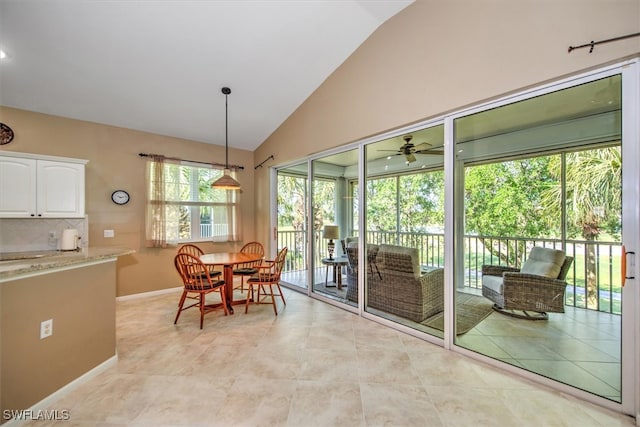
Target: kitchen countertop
{"x":17,"y":264}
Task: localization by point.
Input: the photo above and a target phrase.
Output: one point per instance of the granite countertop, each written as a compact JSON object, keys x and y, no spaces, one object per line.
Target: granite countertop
{"x":16,"y":264}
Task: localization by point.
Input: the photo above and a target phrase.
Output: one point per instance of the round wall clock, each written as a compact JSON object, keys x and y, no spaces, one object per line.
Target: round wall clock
{"x":6,"y":134}
{"x":120,"y":197}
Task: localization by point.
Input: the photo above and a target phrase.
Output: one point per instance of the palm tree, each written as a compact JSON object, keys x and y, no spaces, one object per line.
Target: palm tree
{"x":593,"y":188}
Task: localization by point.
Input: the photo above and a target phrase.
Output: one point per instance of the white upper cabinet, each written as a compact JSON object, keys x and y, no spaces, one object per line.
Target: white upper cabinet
{"x":17,"y":187}
{"x":60,"y":189}
{"x":41,"y":188}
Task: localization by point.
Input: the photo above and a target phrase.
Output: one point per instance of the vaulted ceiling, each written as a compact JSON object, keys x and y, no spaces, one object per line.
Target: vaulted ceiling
{"x":159,"y":66}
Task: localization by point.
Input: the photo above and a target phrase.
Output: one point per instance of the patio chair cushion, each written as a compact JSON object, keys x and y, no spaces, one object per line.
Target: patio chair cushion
{"x":545,"y":262}
{"x":351,"y":241}
{"x":494,"y":283}
{"x":399,"y":259}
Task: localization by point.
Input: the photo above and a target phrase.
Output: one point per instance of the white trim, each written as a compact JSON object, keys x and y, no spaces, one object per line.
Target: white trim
{"x":47,"y":402}
{"x":630,"y":239}
{"x":362,"y":225}
{"x":273,"y":213}
{"x":148,"y":294}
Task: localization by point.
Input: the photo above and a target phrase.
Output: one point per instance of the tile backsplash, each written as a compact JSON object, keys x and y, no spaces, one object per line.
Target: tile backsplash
{"x":22,"y":235}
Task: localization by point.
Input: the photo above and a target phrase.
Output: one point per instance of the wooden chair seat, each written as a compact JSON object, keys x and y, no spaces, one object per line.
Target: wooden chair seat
{"x":249,"y":268}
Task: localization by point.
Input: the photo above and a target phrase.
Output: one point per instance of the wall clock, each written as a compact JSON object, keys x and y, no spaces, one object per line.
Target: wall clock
{"x":6,"y":134}
{"x":120,"y":197}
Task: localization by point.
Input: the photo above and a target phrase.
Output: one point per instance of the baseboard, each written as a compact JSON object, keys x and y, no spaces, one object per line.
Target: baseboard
{"x":149,"y":294}
{"x":40,"y":408}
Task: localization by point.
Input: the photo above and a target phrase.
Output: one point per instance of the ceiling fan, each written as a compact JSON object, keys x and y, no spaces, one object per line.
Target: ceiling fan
{"x":409,"y":150}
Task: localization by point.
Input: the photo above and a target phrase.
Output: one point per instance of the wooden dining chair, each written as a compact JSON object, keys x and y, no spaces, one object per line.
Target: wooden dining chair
{"x":197,"y":284}
{"x":196,"y":251}
{"x":249,"y":268}
{"x":267,"y":277}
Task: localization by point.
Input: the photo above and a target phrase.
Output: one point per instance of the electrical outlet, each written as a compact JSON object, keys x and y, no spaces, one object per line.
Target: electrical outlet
{"x":46,"y":328}
{"x":109,"y":233}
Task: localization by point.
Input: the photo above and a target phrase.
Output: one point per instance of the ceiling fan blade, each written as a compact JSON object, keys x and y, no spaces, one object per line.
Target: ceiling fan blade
{"x":422,"y":146}
{"x":432,"y":152}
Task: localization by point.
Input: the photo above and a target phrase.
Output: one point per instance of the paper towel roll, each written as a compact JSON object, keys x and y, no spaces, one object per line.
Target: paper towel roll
{"x":69,"y":241}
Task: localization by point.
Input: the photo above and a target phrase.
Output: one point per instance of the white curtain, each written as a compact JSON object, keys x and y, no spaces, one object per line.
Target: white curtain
{"x":156,"y":234}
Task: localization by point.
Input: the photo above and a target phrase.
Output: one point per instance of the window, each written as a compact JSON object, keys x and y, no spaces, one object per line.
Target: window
{"x":182,"y":206}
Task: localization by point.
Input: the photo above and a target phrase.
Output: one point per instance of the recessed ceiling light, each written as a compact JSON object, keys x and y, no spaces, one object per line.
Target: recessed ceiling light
{"x":3,"y":54}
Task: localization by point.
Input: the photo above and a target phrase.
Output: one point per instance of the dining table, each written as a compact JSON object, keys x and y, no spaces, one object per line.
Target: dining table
{"x":228,"y":260}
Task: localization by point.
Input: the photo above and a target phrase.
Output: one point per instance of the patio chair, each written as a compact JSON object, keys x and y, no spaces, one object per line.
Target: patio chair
{"x":400,"y":287}
{"x":532,"y":291}
{"x":352,"y":267}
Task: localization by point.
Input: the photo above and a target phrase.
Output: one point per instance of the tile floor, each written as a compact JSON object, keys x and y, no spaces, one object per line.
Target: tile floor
{"x":580,"y":347}
{"x":312,"y":365}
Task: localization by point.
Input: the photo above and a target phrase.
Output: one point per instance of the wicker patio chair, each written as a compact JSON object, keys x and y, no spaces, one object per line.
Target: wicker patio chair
{"x":352,"y":273}
{"x":399,"y":286}
{"x":534,"y":290}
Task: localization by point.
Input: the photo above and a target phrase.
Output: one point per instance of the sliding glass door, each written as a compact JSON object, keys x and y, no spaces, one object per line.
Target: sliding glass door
{"x":538,"y":254}
{"x":404,"y":236}
{"x":292,"y":223}
{"x":333,"y":205}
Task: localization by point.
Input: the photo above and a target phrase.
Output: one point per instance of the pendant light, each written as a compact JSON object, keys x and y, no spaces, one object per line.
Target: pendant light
{"x":226,"y":182}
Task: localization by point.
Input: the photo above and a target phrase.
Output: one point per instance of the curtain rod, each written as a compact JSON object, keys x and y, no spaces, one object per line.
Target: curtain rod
{"x":592,"y":44}
{"x":191,"y":161}
{"x":265,"y":161}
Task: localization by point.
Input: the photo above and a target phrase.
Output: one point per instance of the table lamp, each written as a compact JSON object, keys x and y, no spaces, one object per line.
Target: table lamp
{"x":331,"y":232}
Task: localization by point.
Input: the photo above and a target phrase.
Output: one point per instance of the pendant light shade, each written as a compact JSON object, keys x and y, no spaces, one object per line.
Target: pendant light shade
{"x":226,"y":182}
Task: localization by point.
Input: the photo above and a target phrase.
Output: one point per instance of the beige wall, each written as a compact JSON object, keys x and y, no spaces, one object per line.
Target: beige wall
{"x":437,"y":56}
{"x":114,"y":164}
{"x":81,"y":303}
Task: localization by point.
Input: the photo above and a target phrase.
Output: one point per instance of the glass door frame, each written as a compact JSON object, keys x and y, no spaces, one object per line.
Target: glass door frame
{"x":274,"y":219}
{"x":454,"y":217}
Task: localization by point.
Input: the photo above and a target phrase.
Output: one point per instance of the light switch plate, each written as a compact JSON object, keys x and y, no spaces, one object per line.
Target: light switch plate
{"x":109,"y":233}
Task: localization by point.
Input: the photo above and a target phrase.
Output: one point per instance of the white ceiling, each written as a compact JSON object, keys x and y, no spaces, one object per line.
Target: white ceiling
{"x":159,"y":66}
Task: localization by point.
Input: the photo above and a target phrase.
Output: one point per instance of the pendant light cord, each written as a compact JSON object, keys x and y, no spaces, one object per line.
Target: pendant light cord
{"x":226,"y":129}
{"x":226,"y":91}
